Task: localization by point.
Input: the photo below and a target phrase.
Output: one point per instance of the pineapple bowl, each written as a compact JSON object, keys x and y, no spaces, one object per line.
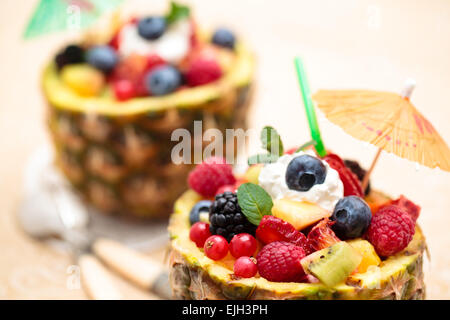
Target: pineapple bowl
{"x":115,"y":98}
{"x":193,"y":276}
{"x":299,"y":226}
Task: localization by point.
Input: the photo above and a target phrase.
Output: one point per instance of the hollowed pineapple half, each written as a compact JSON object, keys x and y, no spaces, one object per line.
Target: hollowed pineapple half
{"x":194,"y":276}
{"x":118,"y":154}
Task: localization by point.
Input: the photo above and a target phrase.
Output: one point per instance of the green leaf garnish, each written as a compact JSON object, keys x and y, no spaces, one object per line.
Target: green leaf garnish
{"x":262,"y":158}
{"x":254,"y":201}
{"x":177,"y":12}
{"x":271,"y":141}
{"x":306,"y":145}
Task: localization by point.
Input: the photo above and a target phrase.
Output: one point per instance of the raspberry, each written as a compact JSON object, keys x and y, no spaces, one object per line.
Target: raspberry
{"x":410,"y":207}
{"x":391,"y":230}
{"x":202,"y":71}
{"x":225,"y":188}
{"x":321,"y":236}
{"x":352,"y":186}
{"x":272,"y":229}
{"x":210,"y":175}
{"x":226,"y":217}
{"x":280,"y":261}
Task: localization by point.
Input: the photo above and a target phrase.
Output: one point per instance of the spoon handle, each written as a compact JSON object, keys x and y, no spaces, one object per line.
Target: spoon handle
{"x":96,"y":280}
{"x":134,"y":266}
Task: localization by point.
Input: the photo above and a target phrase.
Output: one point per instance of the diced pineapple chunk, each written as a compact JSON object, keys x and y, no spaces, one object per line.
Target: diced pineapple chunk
{"x":83,"y":79}
{"x":367,"y":251}
{"x":252,"y":174}
{"x":300,"y":214}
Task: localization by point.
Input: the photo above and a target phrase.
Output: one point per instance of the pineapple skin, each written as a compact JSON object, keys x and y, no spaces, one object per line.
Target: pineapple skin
{"x":118,"y":157}
{"x":195,"y":277}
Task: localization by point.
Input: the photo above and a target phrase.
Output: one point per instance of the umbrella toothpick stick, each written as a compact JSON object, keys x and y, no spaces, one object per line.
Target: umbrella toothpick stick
{"x":406,"y":94}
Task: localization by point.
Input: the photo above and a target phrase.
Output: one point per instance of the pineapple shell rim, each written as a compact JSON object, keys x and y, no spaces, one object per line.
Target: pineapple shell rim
{"x":60,"y":96}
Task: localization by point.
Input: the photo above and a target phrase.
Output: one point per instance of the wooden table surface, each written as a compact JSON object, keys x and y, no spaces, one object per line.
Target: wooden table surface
{"x":347,"y":44}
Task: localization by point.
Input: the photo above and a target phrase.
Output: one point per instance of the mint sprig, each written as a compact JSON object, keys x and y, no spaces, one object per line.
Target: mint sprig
{"x":306,"y":145}
{"x":254,"y":201}
{"x":177,"y":12}
{"x":262,"y":158}
{"x":271,"y":141}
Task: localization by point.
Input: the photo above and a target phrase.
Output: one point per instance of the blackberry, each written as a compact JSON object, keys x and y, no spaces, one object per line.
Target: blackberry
{"x":70,"y":55}
{"x":360,"y":172}
{"x":226,"y":218}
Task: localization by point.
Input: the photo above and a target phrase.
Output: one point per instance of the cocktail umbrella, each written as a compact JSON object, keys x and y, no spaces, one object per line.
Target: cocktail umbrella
{"x":58,"y":15}
{"x":387,"y":120}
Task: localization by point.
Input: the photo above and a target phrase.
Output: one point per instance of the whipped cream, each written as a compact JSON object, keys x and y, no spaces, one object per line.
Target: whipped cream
{"x":273,"y":179}
{"x":172,"y":46}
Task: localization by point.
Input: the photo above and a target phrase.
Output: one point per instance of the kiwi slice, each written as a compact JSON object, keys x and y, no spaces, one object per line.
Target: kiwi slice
{"x":332,"y":265}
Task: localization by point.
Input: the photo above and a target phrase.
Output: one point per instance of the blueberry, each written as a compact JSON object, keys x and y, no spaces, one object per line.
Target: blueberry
{"x":224,"y":38}
{"x":198,"y":209}
{"x":152,"y":28}
{"x":352,"y":216}
{"x":163,"y":80}
{"x":103,"y":58}
{"x":305,"y":171}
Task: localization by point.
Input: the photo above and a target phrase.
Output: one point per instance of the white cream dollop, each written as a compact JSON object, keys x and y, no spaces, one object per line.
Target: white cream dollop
{"x":172,"y":46}
{"x":273,"y":179}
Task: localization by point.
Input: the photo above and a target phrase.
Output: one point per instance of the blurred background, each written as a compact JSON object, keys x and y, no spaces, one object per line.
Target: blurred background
{"x":367,"y":44}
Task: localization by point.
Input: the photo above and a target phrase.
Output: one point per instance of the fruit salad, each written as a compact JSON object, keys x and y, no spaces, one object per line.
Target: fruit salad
{"x":148,"y":56}
{"x":116,"y":97}
{"x":296,"y":219}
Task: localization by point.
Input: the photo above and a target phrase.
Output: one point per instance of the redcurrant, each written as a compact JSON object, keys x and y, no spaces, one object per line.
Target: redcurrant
{"x":243,"y":244}
{"x":199,"y":233}
{"x":216,"y":247}
{"x":245,"y":267}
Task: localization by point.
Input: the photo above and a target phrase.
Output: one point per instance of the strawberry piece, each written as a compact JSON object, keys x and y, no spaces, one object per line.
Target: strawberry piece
{"x":230,"y":187}
{"x":153,"y":61}
{"x":194,"y":41}
{"x":291,"y":150}
{"x":272,"y":229}
{"x":321,"y":236}
{"x":407,"y":205}
{"x":133,"y":69}
{"x":202,"y":71}
{"x":352,"y":186}
{"x":114,"y":42}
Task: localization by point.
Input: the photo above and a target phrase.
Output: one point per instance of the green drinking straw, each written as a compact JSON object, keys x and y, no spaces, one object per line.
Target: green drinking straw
{"x":309,"y":107}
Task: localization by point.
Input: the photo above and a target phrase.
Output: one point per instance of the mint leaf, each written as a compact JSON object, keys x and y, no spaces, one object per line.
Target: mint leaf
{"x":271,"y":141}
{"x":306,"y":145}
{"x":262,"y":158}
{"x":254,"y":201}
{"x":177,"y":12}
